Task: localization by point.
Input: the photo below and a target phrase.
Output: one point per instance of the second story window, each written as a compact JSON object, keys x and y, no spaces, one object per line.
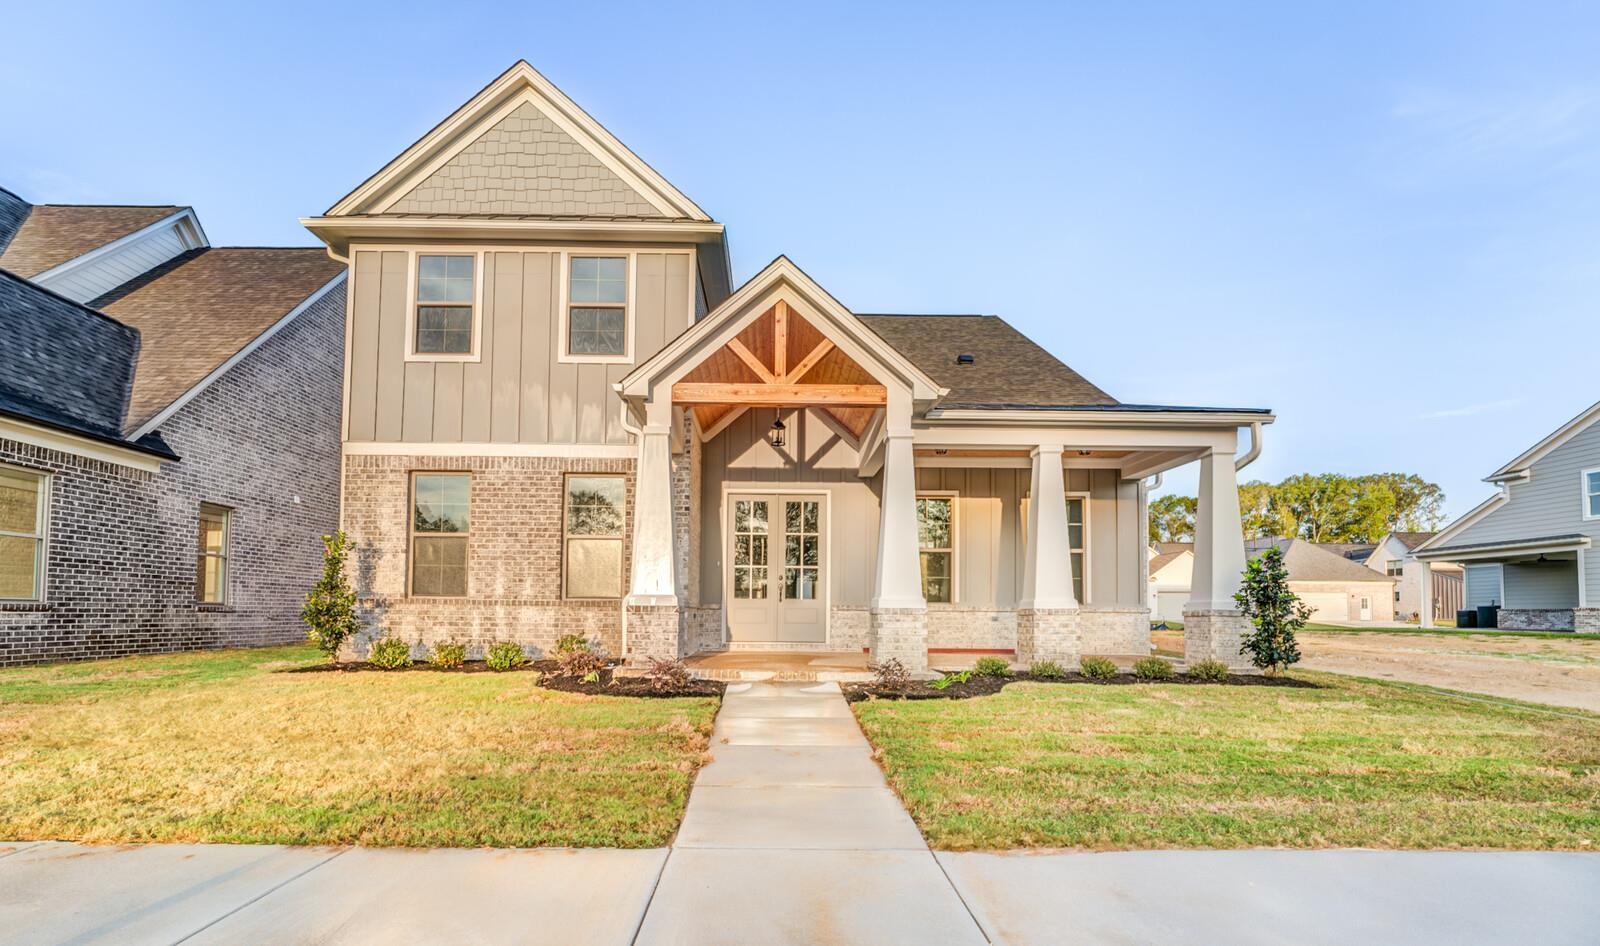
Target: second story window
{"x":1395,"y":568}
{"x":444,"y":305}
{"x":597,"y":307}
{"x":1591,"y":494}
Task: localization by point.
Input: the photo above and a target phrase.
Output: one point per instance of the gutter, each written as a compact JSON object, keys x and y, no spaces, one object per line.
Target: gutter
{"x":1253,"y":452}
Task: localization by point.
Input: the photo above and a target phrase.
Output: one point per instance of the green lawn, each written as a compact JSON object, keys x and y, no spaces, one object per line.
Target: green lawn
{"x":1447,"y":632}
{"x":1356,"y":763}
{"x":215,"y":746}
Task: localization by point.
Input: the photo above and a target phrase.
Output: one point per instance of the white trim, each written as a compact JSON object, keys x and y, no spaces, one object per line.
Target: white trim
{"x":1538,"y":451}
{"x":193,"y":239}
{"x":521,"y":83}
{"x":1473,"y":516}
{"x":1086,"y":418}
{"x":14,"y":429}
{"x":1584,"y":494}
{"x":478,"y":280}
{"x":629,"y":306}
{"x":226,"y":556}
{"x":1583,"y":583}
{"x":955,"y":539}
{"x":238,"y":356}
{"x":574,"y":451}
{"x":339,"y":232}
{"x":1496,"y":553}
{"x":41,"y":582}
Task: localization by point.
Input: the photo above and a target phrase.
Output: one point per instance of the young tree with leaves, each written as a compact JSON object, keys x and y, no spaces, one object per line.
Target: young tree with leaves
{"x":1276,"y":612}
{"x":330,"y":611}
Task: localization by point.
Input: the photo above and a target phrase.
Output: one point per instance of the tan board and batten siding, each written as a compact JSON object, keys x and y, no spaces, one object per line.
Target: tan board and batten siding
{"x":989,"y":548}
{"x":518,"y":391}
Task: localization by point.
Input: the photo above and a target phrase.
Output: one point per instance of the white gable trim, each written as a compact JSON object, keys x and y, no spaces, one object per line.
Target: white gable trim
{"x":238,"y":356}
{"x":51,"y":439}
{"x":780,"y":280}
{"x":1572,"y":428}
{"x":516,"y":86}
{"x":185,"y":221}
{"x":1472,"y":518}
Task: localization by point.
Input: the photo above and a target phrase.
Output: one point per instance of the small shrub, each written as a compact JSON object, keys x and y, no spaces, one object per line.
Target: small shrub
{"x":1097,"y":668}
{"x":330,"y":611}
{"x":1211,"y":671}
{"x":582,"y":663}
{"x":1275,"y":612}
{"x":668,"y":675}
{"x":568,"y":643}
{"x":1153,"y":668}
{"x":992,"y":667}
{"x":391,"y":653}
{"x":448,"y":655}
{"x":1047,"y":670}
{"x":505,"y":655}
{"x":890,"y":674}
{"x":946,"y":681}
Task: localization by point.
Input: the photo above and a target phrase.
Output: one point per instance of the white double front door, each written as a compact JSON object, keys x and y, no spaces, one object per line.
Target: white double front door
{"x":775,"y":577}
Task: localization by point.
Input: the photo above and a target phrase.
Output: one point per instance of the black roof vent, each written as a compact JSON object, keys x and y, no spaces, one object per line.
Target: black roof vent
{"x":965,"y":359}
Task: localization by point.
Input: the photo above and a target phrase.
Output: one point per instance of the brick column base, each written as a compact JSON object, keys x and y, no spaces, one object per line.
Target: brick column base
{"x":901,"y":633}
{"x":653,"y":630}
{"x":1586,"y":620}
{"x":1216,"y":635}
{"x":1049,"y":634}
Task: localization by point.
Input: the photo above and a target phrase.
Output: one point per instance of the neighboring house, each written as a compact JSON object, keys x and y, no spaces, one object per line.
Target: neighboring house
{"x":1334,"y":587}
{"x":1171,"y":573}
{"x":562,"y":417}
{"x":1357,"y":552}
{"x":168,"y":432}
{"x":1527,"y":548}
{"x":1395,"y":556}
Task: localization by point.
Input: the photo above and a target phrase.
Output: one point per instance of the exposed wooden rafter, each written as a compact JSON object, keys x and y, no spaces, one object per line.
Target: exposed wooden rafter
{"x":780,"y":395}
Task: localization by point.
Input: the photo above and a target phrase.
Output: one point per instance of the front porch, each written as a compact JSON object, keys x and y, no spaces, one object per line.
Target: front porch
{"x":802,"y":484}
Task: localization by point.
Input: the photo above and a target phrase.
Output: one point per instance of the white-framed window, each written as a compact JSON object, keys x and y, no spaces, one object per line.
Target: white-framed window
{"x":1077,"y":540}
{"x":445,"y":316}
{"x":211,"y":557}
{"x":1395,"y":568}
{"x":596,"y":322}
{"x":936,"y":546}
{"x":1591,"y":493}
{"x":24,"y":498}
{"x":441,"y":531}
{"x":592,"y":535}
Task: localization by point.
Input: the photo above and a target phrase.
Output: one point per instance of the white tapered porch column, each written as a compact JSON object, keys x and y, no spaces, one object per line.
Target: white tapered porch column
{"x":1212,"y":623}
{"x":1047,"y":616}
{"x":651,"y":614}
{"x":1425,"y":594}
{"x":899,"y":612}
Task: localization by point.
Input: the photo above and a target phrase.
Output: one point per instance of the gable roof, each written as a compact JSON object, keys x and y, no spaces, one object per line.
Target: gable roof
{"x":1009,"y":370}
{"x":1166,"y":558}
{"x":200,"y":309}
{"x":519,"y":129}
{"x":52,"y":234}
{"x":1354,"y":551}
{"x":1519,"y":466}
{"x":1306,"y":561}
{"x":1412,"y":539}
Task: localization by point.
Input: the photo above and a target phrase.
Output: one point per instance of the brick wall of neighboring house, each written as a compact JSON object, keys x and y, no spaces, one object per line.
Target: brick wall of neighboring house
{"x":120,"y":577}
{"x":514,"y":554}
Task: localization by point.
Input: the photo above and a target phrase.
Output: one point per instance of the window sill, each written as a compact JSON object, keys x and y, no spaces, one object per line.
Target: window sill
{"x":26,"y":606}
{"x":217,"y":608}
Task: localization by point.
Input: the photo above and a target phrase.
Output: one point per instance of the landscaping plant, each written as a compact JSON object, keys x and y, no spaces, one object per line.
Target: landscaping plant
{"x":1151,"y":669}
{"x":1047,"y":670}
{"x":581,"y":661}
{"x":330,"y":611}
{"x":390,"y":653}
{"x":668,"y":674}
{"x":946,"y":681}
{"x":890,"y":674}
{"x":1276,"y":612}
{"x":505,"y":655}
{"x":992,"y":667}
{"x":1211,"y":671}
{"x":569,"y":643}
{"x":1097,"y":668}
{"x":448,"y":655}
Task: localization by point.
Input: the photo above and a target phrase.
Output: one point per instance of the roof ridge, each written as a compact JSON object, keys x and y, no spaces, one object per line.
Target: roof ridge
{"x":122,"y":206}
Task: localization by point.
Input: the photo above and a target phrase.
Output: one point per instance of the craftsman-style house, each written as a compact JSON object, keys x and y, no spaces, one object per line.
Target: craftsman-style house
{"x":561,"y":416}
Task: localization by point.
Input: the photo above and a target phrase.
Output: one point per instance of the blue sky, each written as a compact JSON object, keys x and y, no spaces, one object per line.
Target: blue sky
{"x":1383,"y":223}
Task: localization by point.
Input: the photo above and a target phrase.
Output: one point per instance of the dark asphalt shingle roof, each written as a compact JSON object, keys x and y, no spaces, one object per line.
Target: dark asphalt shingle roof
{"x":51,"y":234}
{"x":199,"y":309}
{"x":1413,"y":539}
{"x":1009,"y":370}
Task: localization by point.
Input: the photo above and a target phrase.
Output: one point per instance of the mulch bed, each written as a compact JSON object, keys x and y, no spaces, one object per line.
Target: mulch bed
{"x":608,"y":685}
{"x":986,"y":686}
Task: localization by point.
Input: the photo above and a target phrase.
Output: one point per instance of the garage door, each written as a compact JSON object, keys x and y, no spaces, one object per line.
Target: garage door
{"x":1328,"y":605}
{"x":1169,"y":605}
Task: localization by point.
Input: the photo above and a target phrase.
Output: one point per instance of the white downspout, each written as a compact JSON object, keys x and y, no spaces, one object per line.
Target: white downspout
{"x":1255,"y":448}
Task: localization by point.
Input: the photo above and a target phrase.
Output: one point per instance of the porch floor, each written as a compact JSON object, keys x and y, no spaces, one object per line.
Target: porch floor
{"x":781,"y":665}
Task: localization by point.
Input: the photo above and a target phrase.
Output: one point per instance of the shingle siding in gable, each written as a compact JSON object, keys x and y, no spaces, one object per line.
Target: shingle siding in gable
{"x":121,"y":573}
{"x":1549,"y":502}
{"x":525,"y":164}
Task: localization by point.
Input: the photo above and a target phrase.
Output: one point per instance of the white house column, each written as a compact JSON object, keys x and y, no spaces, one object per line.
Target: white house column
{"x":899,"y":612}
{"x":651,"y":609}
{"x":1212,"y":623}
{"x":1425,"y":595}
{"x":1047,"y":616}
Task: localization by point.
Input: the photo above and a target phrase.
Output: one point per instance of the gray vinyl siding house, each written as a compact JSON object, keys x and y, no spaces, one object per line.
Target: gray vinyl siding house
{"x":1529,"y":548}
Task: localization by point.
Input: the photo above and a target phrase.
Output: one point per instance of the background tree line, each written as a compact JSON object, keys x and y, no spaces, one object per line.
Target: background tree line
{"x":1319,"y":507}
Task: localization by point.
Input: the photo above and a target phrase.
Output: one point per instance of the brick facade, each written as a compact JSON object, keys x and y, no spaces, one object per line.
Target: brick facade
{"x":514,"y":554}
{"x":1216,"y":635}
{"x":1537,"y":619}
{"x":120,"y":573}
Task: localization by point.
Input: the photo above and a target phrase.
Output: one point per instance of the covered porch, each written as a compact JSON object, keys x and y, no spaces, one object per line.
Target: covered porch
{"x":805,"y":487}
{"x":1537,"y":583}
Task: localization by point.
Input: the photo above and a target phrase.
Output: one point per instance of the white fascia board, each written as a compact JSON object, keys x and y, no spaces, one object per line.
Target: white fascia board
{"x":238,"y":356}
{"x":51,"y":439}
{"x":584,"y":451}
{"x":339,"y":232}
{"x":1519,"y":467}
{"x":1126,"y":437}
{"x":1507,"y":550}
{"x":1474,"y":515}
{"x":100,"y":252}
{"x":1072,"y":418}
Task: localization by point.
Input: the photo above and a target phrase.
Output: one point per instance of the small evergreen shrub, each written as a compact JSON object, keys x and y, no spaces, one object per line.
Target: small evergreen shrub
{"x":992,"y":667}
{"x":1151,"y":669}
{"x":890,"y":674}
{"x":1047,"y":670}
{"x":1275,"y":611}
{"x":1097,"y":668}
{"x":448,"y":655}
{"x":1211,"y":671}
{"x":504,"y":655}
{"x":330,"y":611}
{"x":568,"y":643}
{"x":668,"y":675}
{"x":391,"y":653}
